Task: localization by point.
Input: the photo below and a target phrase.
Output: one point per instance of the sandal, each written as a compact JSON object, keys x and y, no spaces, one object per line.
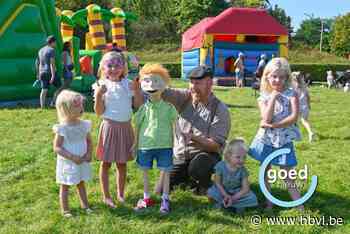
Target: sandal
{"x":67,"y":214}
{"x":109,"y":203}
{"x":88,"y":210}
{"x":144,"y":203}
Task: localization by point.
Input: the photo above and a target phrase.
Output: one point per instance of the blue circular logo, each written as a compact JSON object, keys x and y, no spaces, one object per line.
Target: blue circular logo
{"x":277,"y":201}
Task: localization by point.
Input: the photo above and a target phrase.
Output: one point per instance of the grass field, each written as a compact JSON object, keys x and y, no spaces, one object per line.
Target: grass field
{"x":29,"y":194}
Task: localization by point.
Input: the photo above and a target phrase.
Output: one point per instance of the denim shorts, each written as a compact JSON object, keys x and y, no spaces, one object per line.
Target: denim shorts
{"x":164,"y":158}
{"x":261,"y":151}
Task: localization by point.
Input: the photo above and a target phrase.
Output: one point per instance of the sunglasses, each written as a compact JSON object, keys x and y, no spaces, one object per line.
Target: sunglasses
{"x":115,"y":63}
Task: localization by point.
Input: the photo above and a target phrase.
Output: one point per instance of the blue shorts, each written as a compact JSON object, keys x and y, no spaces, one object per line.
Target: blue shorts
{"x":164,"y":158}
{"x":260,"y":151}
{"x":239,"y":75}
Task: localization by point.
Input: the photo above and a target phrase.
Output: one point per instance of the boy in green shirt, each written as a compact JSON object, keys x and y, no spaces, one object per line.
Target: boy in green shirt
{"x":154,"y":122}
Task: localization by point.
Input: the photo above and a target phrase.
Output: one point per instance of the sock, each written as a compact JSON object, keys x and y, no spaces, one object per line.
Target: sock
{"x":146,"y":196}
{"x":165,"y":196}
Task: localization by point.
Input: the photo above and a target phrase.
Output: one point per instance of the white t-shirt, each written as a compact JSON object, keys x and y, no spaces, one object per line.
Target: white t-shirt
{"x":117,"y":100}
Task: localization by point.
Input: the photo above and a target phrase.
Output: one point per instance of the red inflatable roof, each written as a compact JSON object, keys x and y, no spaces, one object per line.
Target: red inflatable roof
{"x":248,"y":21}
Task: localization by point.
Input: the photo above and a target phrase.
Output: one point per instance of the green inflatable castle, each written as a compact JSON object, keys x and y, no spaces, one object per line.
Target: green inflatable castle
{"x":24,"y":26}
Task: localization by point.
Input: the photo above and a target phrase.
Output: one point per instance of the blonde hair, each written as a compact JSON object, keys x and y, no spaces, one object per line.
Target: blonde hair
{"x":155,"y":68}
{"x":275,"y":64}
{"x":298,"y":81}
{"x":233,"y":146}
{"x":68,"y":103}
{"x":109,"y":56}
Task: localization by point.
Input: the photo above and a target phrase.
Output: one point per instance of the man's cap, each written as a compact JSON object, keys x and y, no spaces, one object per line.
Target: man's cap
{"x":200,"y":72}
{"x":50,"y":39}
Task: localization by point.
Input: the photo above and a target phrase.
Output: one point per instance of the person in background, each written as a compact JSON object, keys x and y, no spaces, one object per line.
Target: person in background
{"x":239,"y":70}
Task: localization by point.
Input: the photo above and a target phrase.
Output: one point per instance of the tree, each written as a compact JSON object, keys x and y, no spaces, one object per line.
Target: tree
{"x":190,"y":12}
{"x":250,"y":3}
{"x":340,"y":40}
{"x":309,"y":32}
{"x":77,"y":5}
{"x":281,"y":16}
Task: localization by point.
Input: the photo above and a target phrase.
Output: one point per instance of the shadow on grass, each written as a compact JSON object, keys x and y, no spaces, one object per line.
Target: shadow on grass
{"x":240,"y":106}
{"x":324,"y":137}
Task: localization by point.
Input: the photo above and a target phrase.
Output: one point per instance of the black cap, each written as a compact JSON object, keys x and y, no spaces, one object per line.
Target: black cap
{"x":50,"y":39}
{"x":200,"y":72}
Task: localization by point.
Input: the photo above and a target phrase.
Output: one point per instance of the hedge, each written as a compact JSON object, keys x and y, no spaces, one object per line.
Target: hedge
{"x":317,"y":71}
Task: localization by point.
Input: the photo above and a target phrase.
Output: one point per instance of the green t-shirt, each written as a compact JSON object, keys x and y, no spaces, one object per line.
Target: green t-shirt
{"x":155,"y":121}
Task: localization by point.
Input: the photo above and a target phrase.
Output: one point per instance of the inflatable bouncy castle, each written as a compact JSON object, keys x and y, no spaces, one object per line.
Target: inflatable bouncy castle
{"x":24,"y":27}
{"x":217,"y":41}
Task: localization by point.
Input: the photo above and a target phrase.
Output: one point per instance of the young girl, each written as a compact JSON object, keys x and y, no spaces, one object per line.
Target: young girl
{"x":113,"y":102}
{"x":300,"y":87}
{"x":279,"y":108}
{"x":330,"y":79}
{"x":231,"y":185}
{"x":73,"y":147}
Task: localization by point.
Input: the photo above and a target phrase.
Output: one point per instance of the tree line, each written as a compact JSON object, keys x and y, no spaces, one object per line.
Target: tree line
{"x":164,"y":21}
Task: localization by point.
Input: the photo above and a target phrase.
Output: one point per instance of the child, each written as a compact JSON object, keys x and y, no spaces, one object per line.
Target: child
{"x":113,"y":102}
{"x":231,"y":185}
{"x":73,"y":147}
{"x":279,"y":108}
{"x":154,"y":130}
{"x":330,"y":79}
{"x":239,"y":65}
{"x":300,"y":87}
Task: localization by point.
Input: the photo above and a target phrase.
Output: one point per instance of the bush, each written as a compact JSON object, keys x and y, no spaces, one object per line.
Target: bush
{"x":317,"y":71}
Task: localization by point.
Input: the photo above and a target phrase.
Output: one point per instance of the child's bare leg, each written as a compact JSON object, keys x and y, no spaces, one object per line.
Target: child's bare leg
{"x":145,"y":185}
{"x":269,"y":204}
{"x":292,"y":187}
{"x":307,"y":126}
{"x":166,"y":183}
{"x":64,"y":189}
{"x":82,"y":195}
{"x":104,"y":180}
{"x":159,"y":186}
{"x":121,"y":179}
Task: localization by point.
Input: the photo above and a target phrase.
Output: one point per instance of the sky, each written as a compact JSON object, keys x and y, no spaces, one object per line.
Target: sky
{"x":297,"y":9}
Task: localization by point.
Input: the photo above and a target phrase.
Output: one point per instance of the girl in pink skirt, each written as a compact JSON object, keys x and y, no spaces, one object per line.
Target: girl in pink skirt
{"x":114,"y":98}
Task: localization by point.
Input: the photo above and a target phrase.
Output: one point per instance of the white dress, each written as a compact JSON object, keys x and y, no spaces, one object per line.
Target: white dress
{"x":74,"y":141}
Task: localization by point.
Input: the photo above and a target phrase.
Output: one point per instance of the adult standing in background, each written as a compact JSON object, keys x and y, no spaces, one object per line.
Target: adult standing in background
{"x":47,"y":68}
{"x":239,"y":70}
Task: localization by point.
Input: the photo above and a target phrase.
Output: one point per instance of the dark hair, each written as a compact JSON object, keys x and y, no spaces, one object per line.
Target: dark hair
{"x":66,"y":46}
{"x":50,"y":39}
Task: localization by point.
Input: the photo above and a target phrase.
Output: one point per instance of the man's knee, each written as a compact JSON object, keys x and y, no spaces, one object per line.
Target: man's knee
{"x":202,"y":166}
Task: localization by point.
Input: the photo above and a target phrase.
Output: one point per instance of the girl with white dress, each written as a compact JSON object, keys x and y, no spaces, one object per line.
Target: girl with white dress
{"x":73,"y":146}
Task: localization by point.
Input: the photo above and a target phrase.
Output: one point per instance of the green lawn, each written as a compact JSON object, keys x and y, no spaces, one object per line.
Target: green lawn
{"x":29,"y":194}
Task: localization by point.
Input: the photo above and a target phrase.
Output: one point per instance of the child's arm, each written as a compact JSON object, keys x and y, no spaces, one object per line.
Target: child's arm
{"x":291,"y":119}
{"x":217,"y":181}
{"x":267,"y":107}
{"x":245,"y":188}
{"x":58,"y":149}
{"x":99,"y":105}
{"x":87,"y":156}
{"x":308,"y":99}
{"x":138,"y":99}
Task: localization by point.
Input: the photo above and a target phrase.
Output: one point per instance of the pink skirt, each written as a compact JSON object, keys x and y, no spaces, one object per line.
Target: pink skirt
{"x":115,"y":141}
